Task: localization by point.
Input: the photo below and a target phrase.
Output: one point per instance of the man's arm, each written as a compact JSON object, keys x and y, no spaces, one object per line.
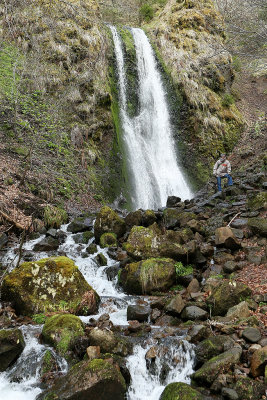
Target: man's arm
{"x":228,"y":167}
{"x":215,"y":168}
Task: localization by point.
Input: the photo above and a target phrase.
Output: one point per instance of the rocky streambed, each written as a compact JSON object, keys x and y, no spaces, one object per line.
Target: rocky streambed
{"x":148,"y":304}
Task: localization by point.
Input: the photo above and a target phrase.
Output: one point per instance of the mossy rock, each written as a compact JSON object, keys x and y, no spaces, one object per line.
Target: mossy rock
{"x":143,"y":242}
{"x":212,"y":347}
{"x":226,"y":295}
{"x":107,"y":221}
{"x":97,"y":379}
{"x":154,"y":274}
{"x":49,"y":285}
{"x":60,"y":330}
{"x":82,"y":224}
{"x":11,"y":346}
{"x":258,"y":226}
{"x":217,"y":365}
{"x":258,"y":202}
{"x":180,"y":391}
{"x":149,"y":218}
{"x":108,"y":240}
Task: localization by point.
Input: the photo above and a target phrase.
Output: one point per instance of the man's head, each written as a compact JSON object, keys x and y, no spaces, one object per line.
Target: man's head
{"x":223,"y":156}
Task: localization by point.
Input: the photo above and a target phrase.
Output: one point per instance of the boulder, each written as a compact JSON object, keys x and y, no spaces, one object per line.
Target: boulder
{"x":83,"y":237}
{"x":176,"y":305}
{"x":229,"y":394}
{"x":60,"y":330}
{"x":258,"y":202}
{"x":172,"y":201}
{"x":193,"y":286}
{"x":134,"y":218}
{"x":47,"y":244}
{"x":49,"y":285}
{"x":224,"y":237}
{"x":49,"y":366}
{"x":93,"y":352}
{"x":154,"y":274}
{"x":230,"y":266}
{"x":222,"y":363}
{"x":107,"y":220}
{"x":101,"y":260}
{"x":138,"y":312}
{"x":109,"y":342}
{"x":149,"y":218}
{"x":239,"y":223}
{"x":194,"y":313}
{"x":252,"y":335}
{"x":81,"y":224}
{"x":241,"y":310}
{"x":108,"y":240}
{"x":92,"y":248}
{"x":258,"y":362}
{"x":143,"y":242}
{"x":11,"y":346}
{"x":180,"y":391}
{"x":258,"y":226}
{"x":226,"y":295}
{"x":213,"y":346}
{"x":97,"y":379}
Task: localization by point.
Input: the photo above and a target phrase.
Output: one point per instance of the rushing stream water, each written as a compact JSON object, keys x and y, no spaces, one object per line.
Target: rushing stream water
{"x":174,"y":362}
{"x":148,"y":139}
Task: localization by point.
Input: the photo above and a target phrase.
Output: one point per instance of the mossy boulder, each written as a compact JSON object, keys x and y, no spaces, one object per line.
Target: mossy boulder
{"x":149,"y":217}
{"x":134,"y":218}
{"x":259,"y":362}
{"x":226,"y":295}
{"x":97,"y":379}
{"x":216,"y":366}
{"x":109,"y":342}
{"x":154,"y":274}
{"x":180,"y":391}
{"x":143,"y":242}
{"x":48,"y":285}
{"x":108,"y":220}
{"x":108,"y":240}
{"x":174,"y":217}
{"x":258,"y":202}
{"x":258,"y":226}
{"x":60,"y":331}
{"x":49,"y":366}
{"x":11,"y":346}
{"x":213,"y":346}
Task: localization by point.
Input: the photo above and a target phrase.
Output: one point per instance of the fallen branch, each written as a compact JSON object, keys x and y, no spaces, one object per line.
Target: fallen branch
{"x":9,"y":219}
{"x":234,"y":218}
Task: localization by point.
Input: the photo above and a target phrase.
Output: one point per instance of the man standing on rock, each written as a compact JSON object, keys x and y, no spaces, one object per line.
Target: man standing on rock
{"x":222,"y":169}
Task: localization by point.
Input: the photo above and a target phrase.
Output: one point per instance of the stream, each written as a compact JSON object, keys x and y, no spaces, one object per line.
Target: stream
{"x":175,"y":359}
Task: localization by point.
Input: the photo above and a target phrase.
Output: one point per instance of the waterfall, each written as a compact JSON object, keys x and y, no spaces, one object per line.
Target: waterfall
{"x":148,"y":140}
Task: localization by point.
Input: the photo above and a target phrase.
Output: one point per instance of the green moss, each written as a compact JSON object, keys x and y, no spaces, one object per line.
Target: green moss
{"x":183,"y":270}
{"x":180,"y":391}
{"x":108,"y":240}
{"x":60,"y":330}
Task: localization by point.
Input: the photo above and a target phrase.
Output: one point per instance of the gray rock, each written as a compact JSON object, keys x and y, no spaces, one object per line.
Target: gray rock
{"x":194,"y":313}
{"x":3,"y":240}
{"x":47,"y":244}
{"x":229,"y":394}
{"x":138,"y":312}
{"x":253,"y":335}
{"x":241,"y":310}
{"x":172,"y":201}
{"x":81,"y":224}
{"x":239,"y":223}
{"x":230,"y":266}
{"x":213,"y":346}
{"x":52,"y":232}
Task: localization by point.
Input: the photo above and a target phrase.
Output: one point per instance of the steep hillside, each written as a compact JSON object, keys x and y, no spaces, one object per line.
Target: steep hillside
{"x":56,"y":125}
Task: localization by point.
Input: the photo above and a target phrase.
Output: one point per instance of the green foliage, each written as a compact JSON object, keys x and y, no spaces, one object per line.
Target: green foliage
{"x":146,"y":12}
{"x":54,"y":217}
{"x":39,"y":318}
{"x":182,"y":270}
{"x":227,"y":100}
{"x":237,"y":63}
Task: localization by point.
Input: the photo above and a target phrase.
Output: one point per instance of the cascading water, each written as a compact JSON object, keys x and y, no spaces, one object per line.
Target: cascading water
{"x":175,"y":358}
{"x":148,"y":139}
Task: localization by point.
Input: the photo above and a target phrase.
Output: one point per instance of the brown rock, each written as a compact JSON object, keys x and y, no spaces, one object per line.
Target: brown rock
{"x":224,"y":237}
{"x":93,"y":352}
{"x":193,"y":286}
{"x":258,"y":362}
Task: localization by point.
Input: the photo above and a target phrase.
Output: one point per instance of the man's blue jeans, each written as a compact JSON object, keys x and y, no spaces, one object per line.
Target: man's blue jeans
{"x":219,"y":181}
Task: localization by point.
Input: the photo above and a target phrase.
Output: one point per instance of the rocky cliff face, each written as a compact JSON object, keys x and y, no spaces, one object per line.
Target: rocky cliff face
{"x":189,"y":38}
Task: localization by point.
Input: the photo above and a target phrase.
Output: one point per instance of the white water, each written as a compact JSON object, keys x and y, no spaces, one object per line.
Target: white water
{"x":175,"y":357}
{"x":22,"y":380}
{"x":148,"y":138}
